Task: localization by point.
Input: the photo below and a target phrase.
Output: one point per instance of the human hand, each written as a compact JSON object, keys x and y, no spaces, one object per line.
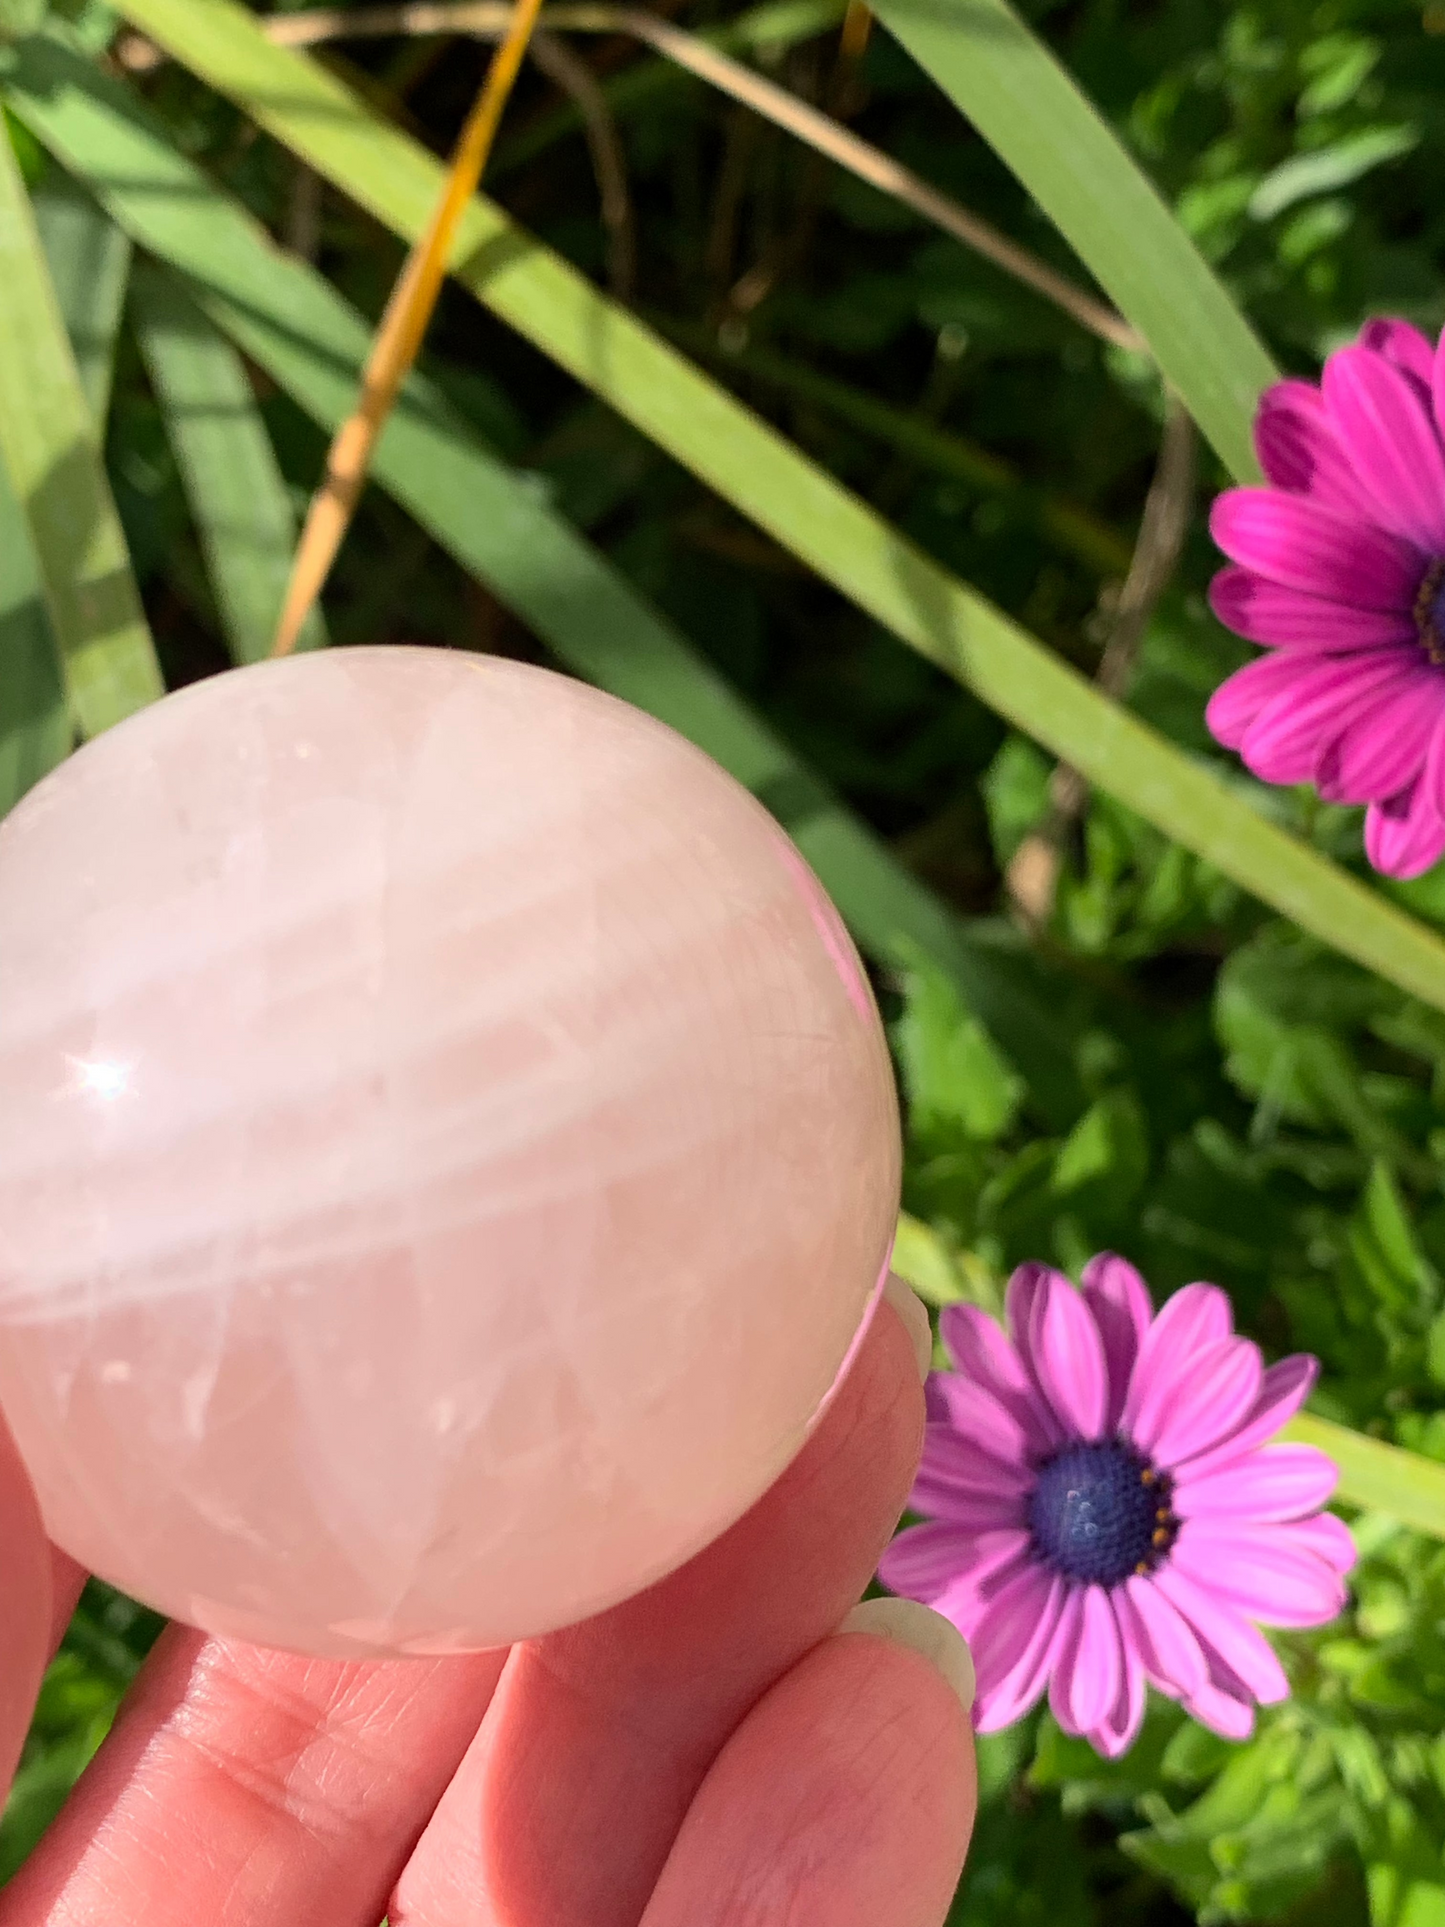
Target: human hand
{"x":722,"y":1751}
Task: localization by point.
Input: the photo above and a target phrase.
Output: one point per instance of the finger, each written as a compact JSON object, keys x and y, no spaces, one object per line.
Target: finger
{"x":847,"y":1796}
{"x":570,"y":1799}
{"x":241,"y":1787}
{"x":25,"y":1606}
{"x":67,"y":1582}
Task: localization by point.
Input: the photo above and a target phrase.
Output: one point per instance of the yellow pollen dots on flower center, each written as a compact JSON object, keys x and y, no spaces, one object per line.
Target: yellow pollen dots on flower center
{"x":1166,"y":1525}
{"x":1430,"y":612}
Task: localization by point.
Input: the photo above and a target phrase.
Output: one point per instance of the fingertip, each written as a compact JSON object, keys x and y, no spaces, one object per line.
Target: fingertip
{"x":910,"y":1624}
{"x":848,"y":1795}
{"x":914,"y":1314}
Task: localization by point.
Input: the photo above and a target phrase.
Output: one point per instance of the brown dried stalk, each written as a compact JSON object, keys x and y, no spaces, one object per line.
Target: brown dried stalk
{"x":487,"y":18}
{"x":579,"y":83}
{"x":1033,"y":873}
{"x":399,"y":338}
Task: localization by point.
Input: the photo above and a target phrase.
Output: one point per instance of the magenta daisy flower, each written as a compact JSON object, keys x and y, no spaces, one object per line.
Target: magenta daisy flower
{"x":1105,"y":1507}
{"x":1341,"y":573}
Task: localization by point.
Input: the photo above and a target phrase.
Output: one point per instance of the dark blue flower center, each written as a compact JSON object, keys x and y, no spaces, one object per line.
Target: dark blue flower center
{"x":1100,"y":1512}
{"x":1430,"y":612}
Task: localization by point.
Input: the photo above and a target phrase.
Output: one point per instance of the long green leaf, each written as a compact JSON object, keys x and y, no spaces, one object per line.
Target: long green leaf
{"x":34,"y":724}
{"x":1380,"y":1477}
{"x":89,"y":258}
{"x":771,"y":481}
{"x":1033,"y":114}
{"x":237,"y":493}
{"x":90,"y":262}
{"x":289,"y":321}
{"x":50,"y":450}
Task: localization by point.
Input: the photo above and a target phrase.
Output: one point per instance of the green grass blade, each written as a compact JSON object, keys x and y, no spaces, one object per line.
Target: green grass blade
{"x":288,"y":320}
{"x":49,"y":446}
{"x":1033,"y":114}
{"x":1379,"y":1477}
{"x":89,"y":267}
{"x":237,"y":494}
{"x":89,"y":259}
{"x":34,"y":723}
{"x":774,"y":483}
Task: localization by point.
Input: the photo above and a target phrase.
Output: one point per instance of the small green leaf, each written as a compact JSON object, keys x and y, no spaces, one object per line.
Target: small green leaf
{"x":1108,"y":1148}
{"x":1323,"y":169}
{"x":922,"y":1260}
{"x":958,"y":1085}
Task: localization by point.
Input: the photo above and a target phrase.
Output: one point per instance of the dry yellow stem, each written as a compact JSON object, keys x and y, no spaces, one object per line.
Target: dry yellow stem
{"x":857,"y":28}
{"x":399,"y":338}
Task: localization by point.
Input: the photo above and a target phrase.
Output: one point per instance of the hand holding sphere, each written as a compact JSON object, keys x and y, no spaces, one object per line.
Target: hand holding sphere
{"x":447,"y":1170}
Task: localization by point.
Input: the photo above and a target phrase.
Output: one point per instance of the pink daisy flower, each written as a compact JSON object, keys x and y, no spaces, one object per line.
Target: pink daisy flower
{"x":1105,"y":1508}
{"x":1341,"y":574}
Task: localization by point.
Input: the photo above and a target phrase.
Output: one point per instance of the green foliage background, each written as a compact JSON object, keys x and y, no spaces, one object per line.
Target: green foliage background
{"x":1209,"y":1091}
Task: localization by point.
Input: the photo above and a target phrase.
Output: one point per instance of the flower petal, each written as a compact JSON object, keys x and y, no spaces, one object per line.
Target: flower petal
{"x":1090,"y":1666}
{"x":1384,"y":750}
{"x":1241,"y":698}
{"x":1332,"y":695}
{"x":1119,"y":1728}
{"x":1405,"y":834}
{"x":1263,"y":1571}
{"x":1015,"y":1647}
{"x":1224,"y":1635}
{"x":955,"y":1460}
{"x":1401,"y":344}
{"x":1383,"y":420}
{"x":1278,"y":1482}
{"x":924,"y":1561}
{"x":1221,"y":1388}
{"x":957,"y":1482}
{"x":1289,"y":619}
{"x":1195,"y":1317}
{"x":1285,"y":1388}
{"x":1066,"y":1355}
{"x":1289,"y":540}
{"x":1299,"y":449}
{"x":976,"y":1415}
{"x":1000,"y":1557}
{"x":1162,"y":1636}
{"x":1329,"y":1538}
{"x":1221,"y":1712}
{"x":1023,"y":1287}
{"x":1122,"y":1309}
{"x":981,"y":1350}
{"x":1437,"y":383}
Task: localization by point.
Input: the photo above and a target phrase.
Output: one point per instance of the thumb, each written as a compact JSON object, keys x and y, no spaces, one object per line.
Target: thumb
{"x":25,"y":1606}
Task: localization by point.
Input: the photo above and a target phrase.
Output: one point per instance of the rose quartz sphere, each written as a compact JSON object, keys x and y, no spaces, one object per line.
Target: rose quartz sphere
{"x":447,"y":1151}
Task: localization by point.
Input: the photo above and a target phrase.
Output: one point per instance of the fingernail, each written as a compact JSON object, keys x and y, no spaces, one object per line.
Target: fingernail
{"x":914,"y":1313}
{"x":922,"y":1630}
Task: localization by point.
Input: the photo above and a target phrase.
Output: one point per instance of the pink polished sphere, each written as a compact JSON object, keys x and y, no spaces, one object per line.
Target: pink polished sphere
{"x":447,"y":1151}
